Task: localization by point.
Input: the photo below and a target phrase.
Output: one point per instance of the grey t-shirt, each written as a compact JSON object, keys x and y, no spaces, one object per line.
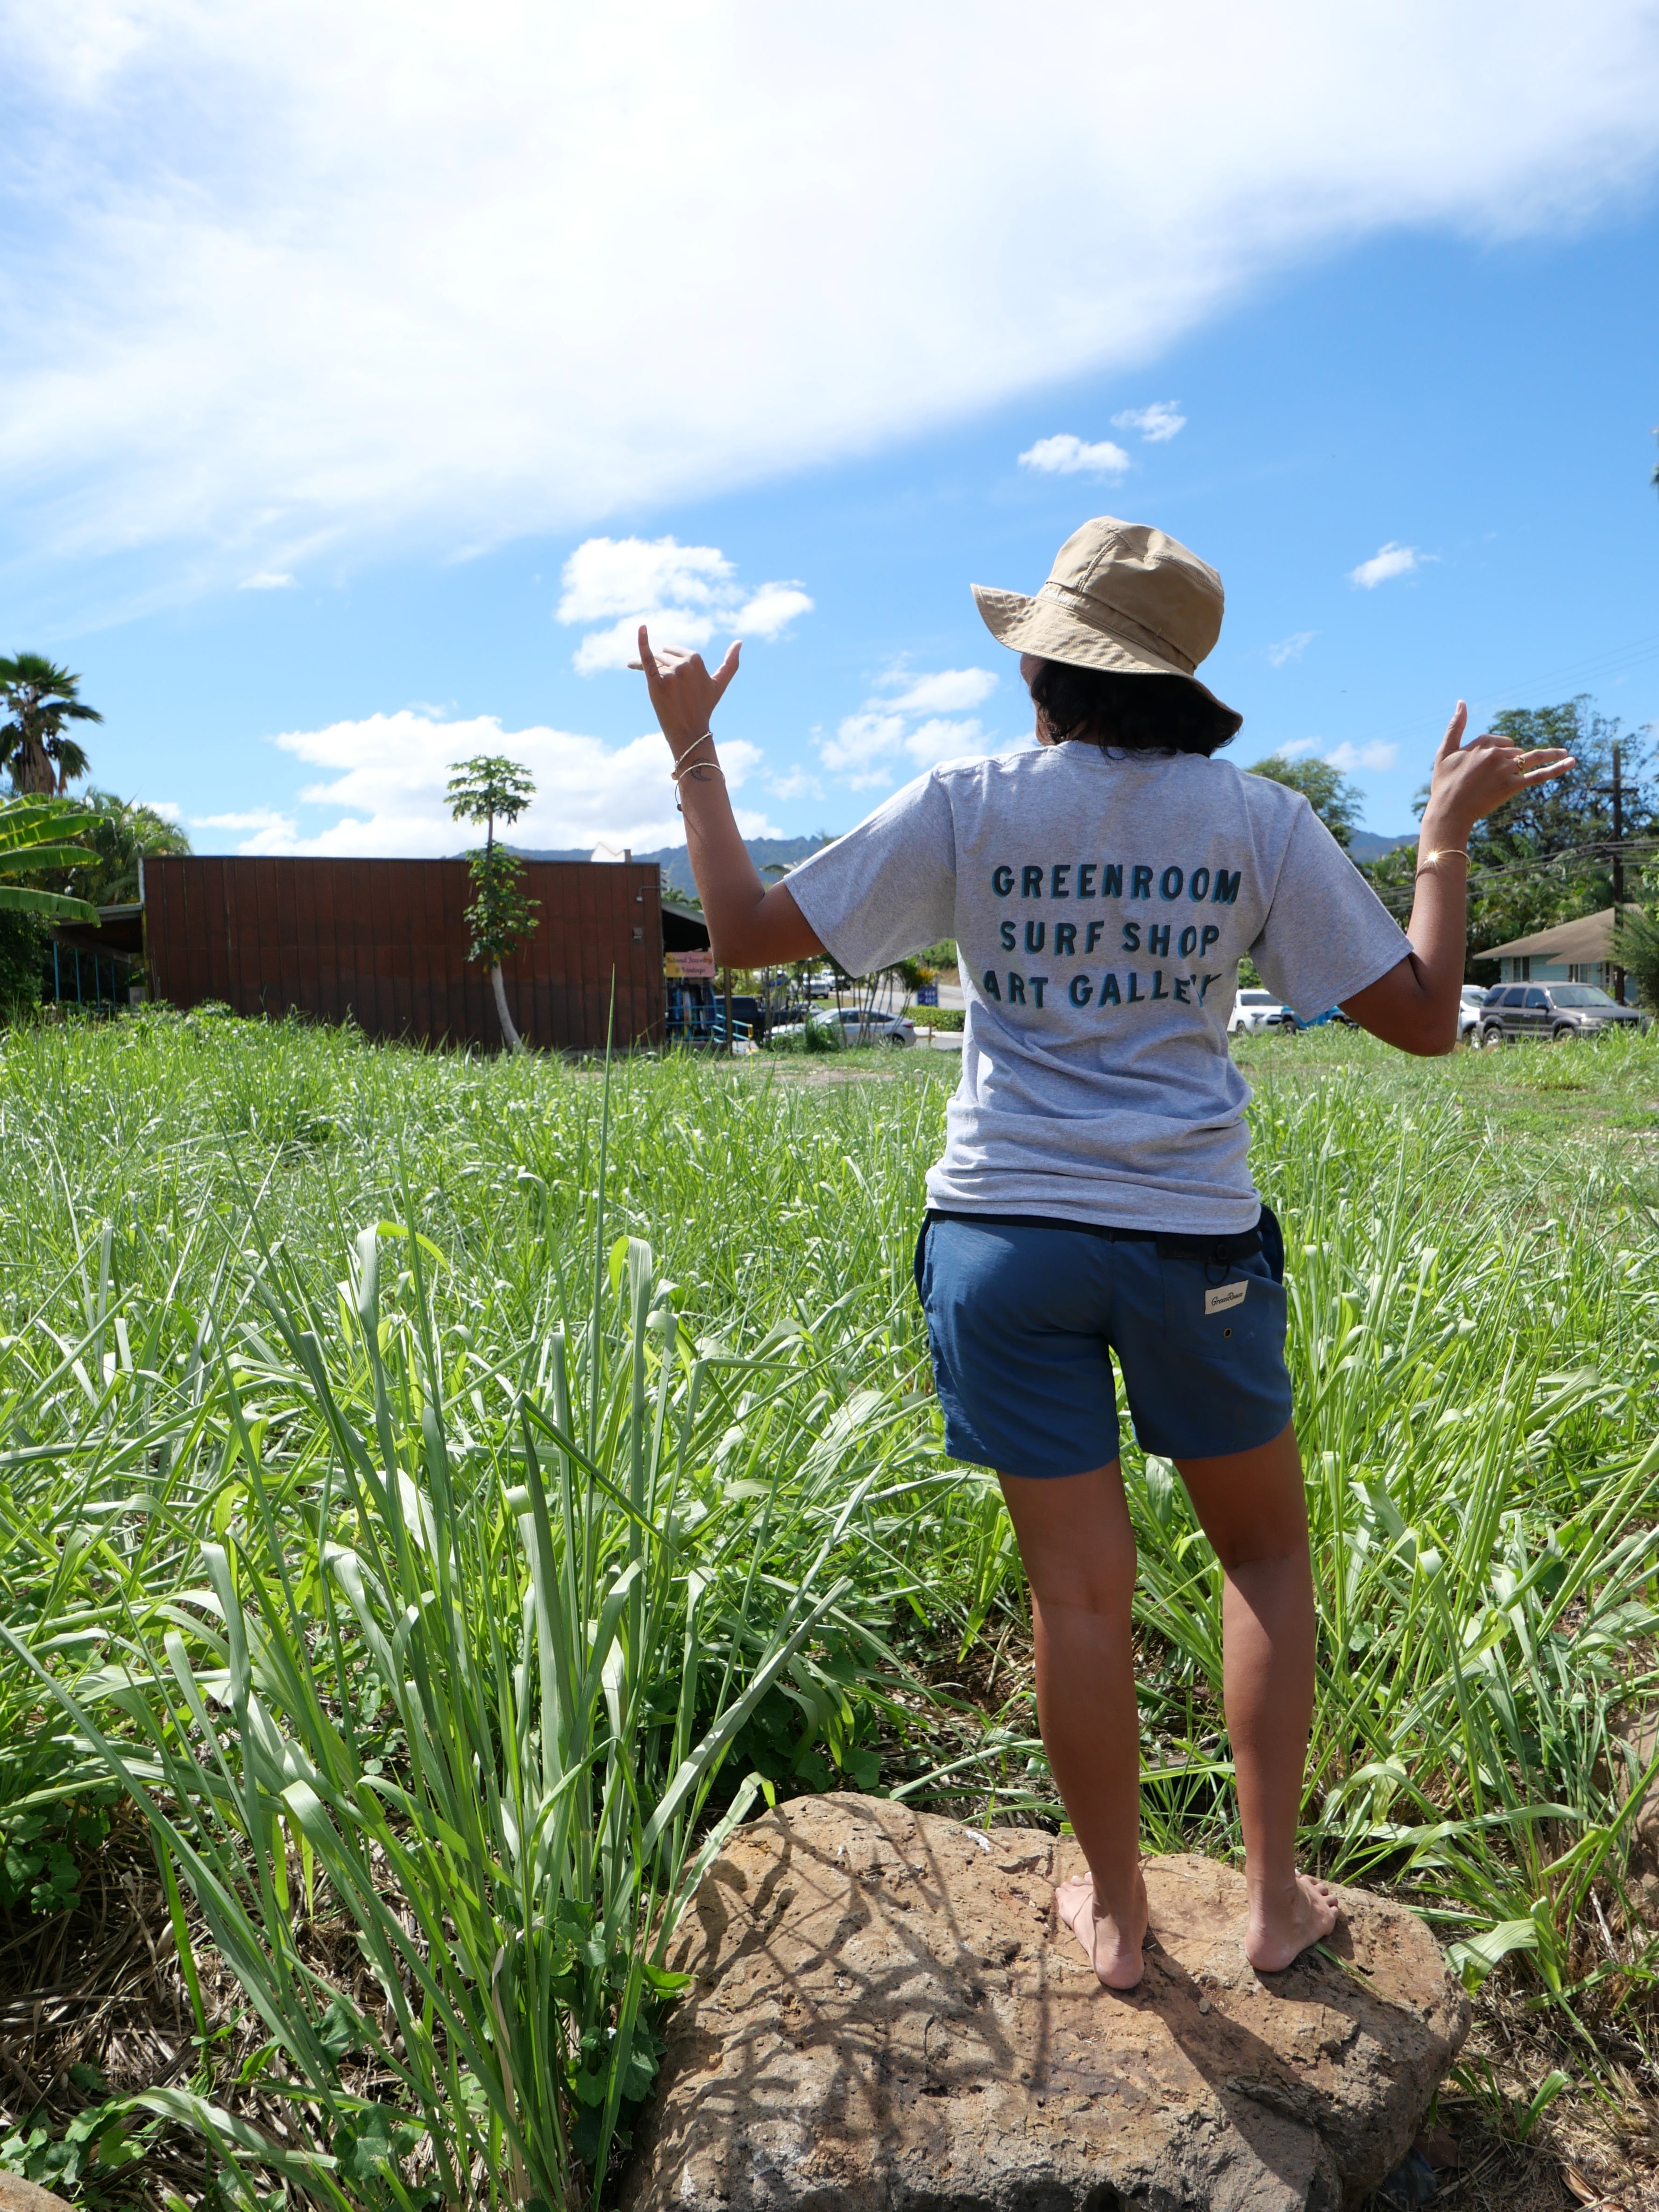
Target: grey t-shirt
{"x":1101,"y":905}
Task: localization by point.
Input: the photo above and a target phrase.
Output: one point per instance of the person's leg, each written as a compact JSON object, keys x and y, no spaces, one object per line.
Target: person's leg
{"x":1254,"y":1513}
{"x":1080,"y":1555}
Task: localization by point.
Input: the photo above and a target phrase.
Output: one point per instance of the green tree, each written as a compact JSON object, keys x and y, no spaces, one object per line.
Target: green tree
{"x":487,"y":788}
{"x":1545,"y":858}
{"x":38,"y":697}
{"x":23,"y":941}
{"x":1334,"y":799}
{"x":1638,"y":952}
{"x":1575,"y":809}
{"x":118,"y":833}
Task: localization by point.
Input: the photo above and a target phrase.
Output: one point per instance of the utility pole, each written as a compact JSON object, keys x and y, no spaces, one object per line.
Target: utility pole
{"x":1618,"y":874}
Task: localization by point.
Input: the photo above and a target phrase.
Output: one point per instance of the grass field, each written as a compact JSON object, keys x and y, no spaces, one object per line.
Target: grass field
{"x":437,"y":1495}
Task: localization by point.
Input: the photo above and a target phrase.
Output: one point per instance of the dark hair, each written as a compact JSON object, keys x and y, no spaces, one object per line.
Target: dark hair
{"x":1130,"y":713}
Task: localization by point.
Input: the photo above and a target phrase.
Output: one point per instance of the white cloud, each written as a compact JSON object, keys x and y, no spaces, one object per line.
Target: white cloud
{"x":264,"y":820}
{"x":870,"y":747}
{"x":1347,"y":756}
{"x":616,"y":647}
{"x":1066,"y":455}
{"x":345,"y":279}
{"x":1291,"y":647}
{"x":938,"y":740}
{"x":622,"y":575}
{"x":385,"y":776}
{"x":1389,"y":560}
{"x":860,"y":747}
{"x":1376,"y":756}
{"x":169,"y":809}
{"x":1156,"y":424}
{"x":794,"y":783}
{"x":771,"y":611}
{"x":946,"y":693}
{"x":266,"y":579}
{"x":685,"y":592}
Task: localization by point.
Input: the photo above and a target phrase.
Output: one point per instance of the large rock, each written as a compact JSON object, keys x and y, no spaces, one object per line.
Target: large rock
{"x":883,"y":2016}
{"x":17,"y":2195}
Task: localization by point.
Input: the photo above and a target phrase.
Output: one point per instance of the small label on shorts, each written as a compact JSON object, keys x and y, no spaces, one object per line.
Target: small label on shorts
{"x":1225,"y":1295}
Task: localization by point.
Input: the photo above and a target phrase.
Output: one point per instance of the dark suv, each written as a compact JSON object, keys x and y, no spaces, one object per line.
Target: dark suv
{"x":1551,"y":1011}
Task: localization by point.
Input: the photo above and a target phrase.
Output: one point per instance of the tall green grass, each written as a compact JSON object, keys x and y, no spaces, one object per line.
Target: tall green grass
{"x":472,"y":1644}
{"x":443,"y":1493}
{"x":1477,"y":1381}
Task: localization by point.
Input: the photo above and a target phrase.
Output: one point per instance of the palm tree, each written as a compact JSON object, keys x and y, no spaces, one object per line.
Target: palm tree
{"x":40,"y":697}
{"x":118,"y":833}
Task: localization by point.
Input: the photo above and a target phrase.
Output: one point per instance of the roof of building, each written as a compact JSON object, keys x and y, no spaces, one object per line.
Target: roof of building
{"x":118,"y":929}
{"x":1589,"y":939}
{"x":684,"y":928}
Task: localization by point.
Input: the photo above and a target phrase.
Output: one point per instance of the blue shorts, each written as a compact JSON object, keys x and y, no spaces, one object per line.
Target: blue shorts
{"x":1024,"y":1316}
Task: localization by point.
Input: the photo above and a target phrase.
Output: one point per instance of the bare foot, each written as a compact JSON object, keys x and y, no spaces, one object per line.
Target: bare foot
{"x":1114,"y":1950}
{"x":1282,"y":1926}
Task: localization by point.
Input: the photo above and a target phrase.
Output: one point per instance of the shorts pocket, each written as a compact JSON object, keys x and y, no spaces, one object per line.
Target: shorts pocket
{"x":1225,"y":1316}
{"x":1212,"y":1380}
{"x":1272,"y":1242}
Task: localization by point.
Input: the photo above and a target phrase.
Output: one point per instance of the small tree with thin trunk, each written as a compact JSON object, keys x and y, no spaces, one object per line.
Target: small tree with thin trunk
{"x":484,"y":789}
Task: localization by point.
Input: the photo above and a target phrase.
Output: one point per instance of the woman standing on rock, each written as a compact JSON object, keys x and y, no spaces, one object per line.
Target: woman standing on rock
{"x":1095,"y":1196}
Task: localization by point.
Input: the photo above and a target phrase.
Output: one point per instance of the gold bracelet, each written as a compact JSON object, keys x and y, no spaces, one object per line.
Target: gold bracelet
{"x":1444,"y":852}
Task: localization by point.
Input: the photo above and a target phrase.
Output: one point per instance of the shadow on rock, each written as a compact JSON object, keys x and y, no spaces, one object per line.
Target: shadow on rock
{"x":882,"y":2016}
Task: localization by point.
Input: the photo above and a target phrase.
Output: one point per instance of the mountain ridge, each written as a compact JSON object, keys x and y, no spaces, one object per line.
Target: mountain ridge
{"x":675,"y":863}
{"x":1368,"y":845}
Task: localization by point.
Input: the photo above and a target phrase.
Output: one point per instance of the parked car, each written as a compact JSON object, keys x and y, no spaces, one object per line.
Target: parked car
{"x":859,"y":1025}
{"x":1332,"y":1017}
{"x":1471,"y":999}
{"x":1255,"y":1010}
{"x":1551,"y":1012}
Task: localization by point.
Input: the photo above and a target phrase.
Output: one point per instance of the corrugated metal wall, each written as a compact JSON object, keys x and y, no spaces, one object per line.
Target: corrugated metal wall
{"x":384,"y":942}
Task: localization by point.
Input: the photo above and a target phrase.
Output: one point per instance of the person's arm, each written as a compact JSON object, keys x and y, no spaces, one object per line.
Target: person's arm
{"x":1414,"y":1005}
{"x":749,"y":925}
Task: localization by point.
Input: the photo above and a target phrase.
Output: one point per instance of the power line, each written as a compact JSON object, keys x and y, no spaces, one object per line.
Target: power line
{"x":1399,"y":895}
{"x":1614,"y":660}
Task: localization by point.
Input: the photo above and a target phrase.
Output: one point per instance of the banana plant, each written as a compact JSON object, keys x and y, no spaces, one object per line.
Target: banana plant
{"x":35,"y":836}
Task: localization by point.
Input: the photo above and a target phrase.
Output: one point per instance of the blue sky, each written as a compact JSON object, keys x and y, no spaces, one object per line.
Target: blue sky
{"x":300,"y":516}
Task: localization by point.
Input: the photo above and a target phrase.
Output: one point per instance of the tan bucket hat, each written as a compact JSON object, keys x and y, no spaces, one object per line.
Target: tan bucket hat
{"x":1120,"y":596}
